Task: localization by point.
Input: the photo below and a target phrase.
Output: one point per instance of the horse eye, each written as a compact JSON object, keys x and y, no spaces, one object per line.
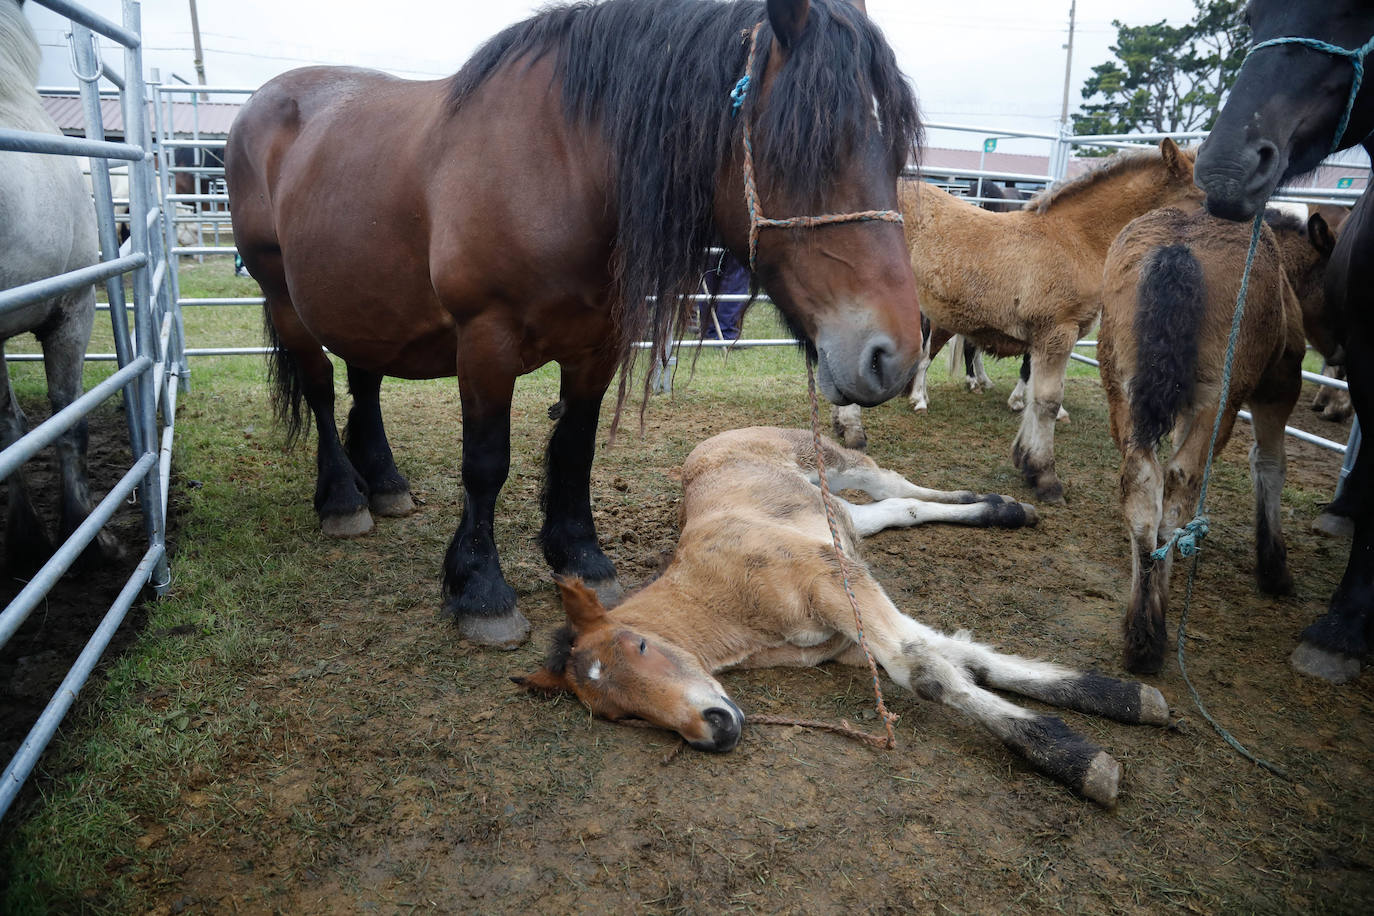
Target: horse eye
{"x":643,"y":644}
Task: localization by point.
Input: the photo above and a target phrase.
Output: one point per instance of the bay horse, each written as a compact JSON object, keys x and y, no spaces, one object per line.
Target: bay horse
{"x":1168,"y":293}
{"x":1292,"y":104}
{"x":47,"y":227}
{"x":754,"y":582}
{"x":1031,"y":280}
{"x":554,"y":201}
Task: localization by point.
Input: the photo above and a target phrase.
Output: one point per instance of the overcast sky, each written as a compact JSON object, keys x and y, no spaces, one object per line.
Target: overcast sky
{"x":994,"y":63}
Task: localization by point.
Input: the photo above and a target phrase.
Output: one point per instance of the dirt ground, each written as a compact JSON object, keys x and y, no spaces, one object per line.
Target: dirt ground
{"x":34,"y":662}
{"x":397,"y":769}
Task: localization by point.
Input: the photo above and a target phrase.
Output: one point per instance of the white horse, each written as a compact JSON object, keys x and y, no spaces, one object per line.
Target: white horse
{"x":47,"y":227}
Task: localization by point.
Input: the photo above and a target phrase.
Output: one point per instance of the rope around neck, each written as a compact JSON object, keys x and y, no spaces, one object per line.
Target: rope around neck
{"x":1356,"y":57}
{"x":757,"y":220}
{"x":828,"y":501}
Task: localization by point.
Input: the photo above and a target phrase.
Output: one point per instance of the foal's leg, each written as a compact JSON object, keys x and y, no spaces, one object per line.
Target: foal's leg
{"x":64,"y":351}
{"x":388,"y":490}
{"x":1033,"y":450}
{"x":980,"y":372}
{"x":847,"y":422}
{"x":1268,"y":466}
{"x":871,"y":518}
{"x":475,"y":590}
{"x":569,"y":534}
{"x":917,"y":396}
{"x":1017,"y":400}
{"x":27,"y":545}
{"x":1142,"y":505}
{"x":911,"y":654}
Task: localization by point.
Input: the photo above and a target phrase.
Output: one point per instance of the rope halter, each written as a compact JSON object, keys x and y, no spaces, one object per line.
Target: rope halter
{"x":757,"y":220}
{"x":1356,"y":57}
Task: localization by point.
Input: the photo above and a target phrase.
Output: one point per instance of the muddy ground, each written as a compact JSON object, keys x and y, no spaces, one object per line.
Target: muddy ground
{"x":393,"y":768}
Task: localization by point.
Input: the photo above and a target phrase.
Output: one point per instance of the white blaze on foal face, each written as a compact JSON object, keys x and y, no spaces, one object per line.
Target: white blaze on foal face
{"x":619,"y":673}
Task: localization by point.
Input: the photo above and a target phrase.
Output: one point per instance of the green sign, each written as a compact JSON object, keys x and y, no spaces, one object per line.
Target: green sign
{"x":1345,"y":182}
{"x":990,"y":144}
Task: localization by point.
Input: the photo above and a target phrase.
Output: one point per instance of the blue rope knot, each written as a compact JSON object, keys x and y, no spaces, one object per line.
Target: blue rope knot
{"x":738,"y":93}
{"x":1188,"y":539}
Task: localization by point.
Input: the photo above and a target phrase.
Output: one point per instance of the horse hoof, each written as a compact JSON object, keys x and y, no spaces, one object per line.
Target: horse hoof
{"x":392,"y":505}
{"x":608,"y":592}
{"x":505,"y":632}
{"x":1051,"y":494}
{"x":347,"y":526}
{"x":918,"y":406}
{"x":1154,"y":709}
{"x":1103,"y":780}
{"x":1337,"y":526}
{"x":1325,"y":664}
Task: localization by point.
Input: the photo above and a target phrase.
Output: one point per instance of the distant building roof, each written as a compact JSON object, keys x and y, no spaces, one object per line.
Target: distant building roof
{"x":212,"y":119}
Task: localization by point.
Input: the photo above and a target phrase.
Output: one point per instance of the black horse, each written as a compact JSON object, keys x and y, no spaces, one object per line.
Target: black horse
{"x":1291,"y":106}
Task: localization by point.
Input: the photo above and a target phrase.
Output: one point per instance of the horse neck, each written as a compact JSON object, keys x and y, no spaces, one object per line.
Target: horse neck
{"x":1096,"y":213}
{"x":19,"y":60}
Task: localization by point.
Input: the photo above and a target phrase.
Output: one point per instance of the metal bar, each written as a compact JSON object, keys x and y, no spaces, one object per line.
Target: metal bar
{"x":22,"y":764}
{"x":47,"y":432}
{"x":191,"y":198}
{"x":1085,"y":359}
{"x":1080,"y":139}
{"x":13,"y":616}
{"x":1000,"y":132}
{"x":1352,"y":452}
{"x":204,"y":249}
{"x":109,"y":73}
{"x":1325,"y":380}
{"x":193,"y":90}
{"x":1300,"y":434}
{"x":96,"y":23}
{"x":165,"y":455}
{"x":926,"y":171}
{"x":202,"y":143}
{"x":30,"y":141}
{"x":42,"y":290}
{"x":224,"y":300}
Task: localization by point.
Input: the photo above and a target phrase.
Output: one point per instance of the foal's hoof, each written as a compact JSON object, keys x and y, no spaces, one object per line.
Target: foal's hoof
{"x":351,"y":525}
{"x":392,"y":505}
{"x":1330,"y":666}
{"x":1337,"y":526}
{"x":1102,"y":781}
{"x":506,"y":632}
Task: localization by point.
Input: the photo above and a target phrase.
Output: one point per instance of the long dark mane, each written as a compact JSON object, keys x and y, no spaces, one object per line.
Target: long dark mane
{"x":655,"y":76}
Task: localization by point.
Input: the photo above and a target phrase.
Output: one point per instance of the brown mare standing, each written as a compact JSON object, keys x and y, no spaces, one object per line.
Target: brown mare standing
{"x":1029,"y":280}
{"x":754,"y":582}
{"x":528,"y":209}
{"x":1169,"y":293}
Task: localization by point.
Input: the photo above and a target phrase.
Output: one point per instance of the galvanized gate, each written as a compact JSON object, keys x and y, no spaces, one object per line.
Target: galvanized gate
{"x":148,"y":344}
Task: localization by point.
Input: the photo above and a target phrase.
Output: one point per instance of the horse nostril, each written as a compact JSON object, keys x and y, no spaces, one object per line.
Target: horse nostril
{"x":1268,"y":154}
{"x":719,"y":718}
{"x":877,"y":363}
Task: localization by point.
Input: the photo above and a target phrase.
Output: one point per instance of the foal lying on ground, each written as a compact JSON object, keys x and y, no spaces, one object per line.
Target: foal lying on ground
{"x":754,"y":582}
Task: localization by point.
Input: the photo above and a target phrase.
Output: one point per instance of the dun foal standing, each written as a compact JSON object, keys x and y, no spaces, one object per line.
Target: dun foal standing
{"x":754,"y":582}
{"x":1029,"y":280}
{"x":1169,"y":293}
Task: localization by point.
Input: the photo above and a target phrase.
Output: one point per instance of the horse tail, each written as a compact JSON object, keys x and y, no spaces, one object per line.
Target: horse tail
{"x":956,"y":353}
{"x":1170,"y":303}
{"x":285,"y":383}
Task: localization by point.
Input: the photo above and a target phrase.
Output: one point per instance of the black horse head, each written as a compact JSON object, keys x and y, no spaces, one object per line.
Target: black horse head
{"x":1288,"y":102}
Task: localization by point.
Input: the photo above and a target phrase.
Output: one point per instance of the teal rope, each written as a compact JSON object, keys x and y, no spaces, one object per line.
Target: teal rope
{"x":1356,"y":57}
{"x":1188,"y":539}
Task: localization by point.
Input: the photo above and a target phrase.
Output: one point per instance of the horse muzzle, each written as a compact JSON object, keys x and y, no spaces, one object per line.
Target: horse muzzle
{"x":864,"y":368}
{"x":725,"y":724}
{"x":1238,"y":180}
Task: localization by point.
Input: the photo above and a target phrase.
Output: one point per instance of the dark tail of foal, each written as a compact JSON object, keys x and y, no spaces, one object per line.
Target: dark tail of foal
{"x":284,"y":382}
{"x":1169,"y":307}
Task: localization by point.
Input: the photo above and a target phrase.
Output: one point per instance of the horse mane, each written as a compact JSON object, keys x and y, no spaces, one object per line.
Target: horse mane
{"x":654,"y":76}
{"x":19,"y":56}
{"x":1111,"y":167}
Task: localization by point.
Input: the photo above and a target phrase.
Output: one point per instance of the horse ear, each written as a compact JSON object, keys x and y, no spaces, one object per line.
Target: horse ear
{"x":788,"y":19}
{"x":1174,"y":160}
{"x":580,"y":603}
{"x":544,"y":681}
{"x":1320,"y":235}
